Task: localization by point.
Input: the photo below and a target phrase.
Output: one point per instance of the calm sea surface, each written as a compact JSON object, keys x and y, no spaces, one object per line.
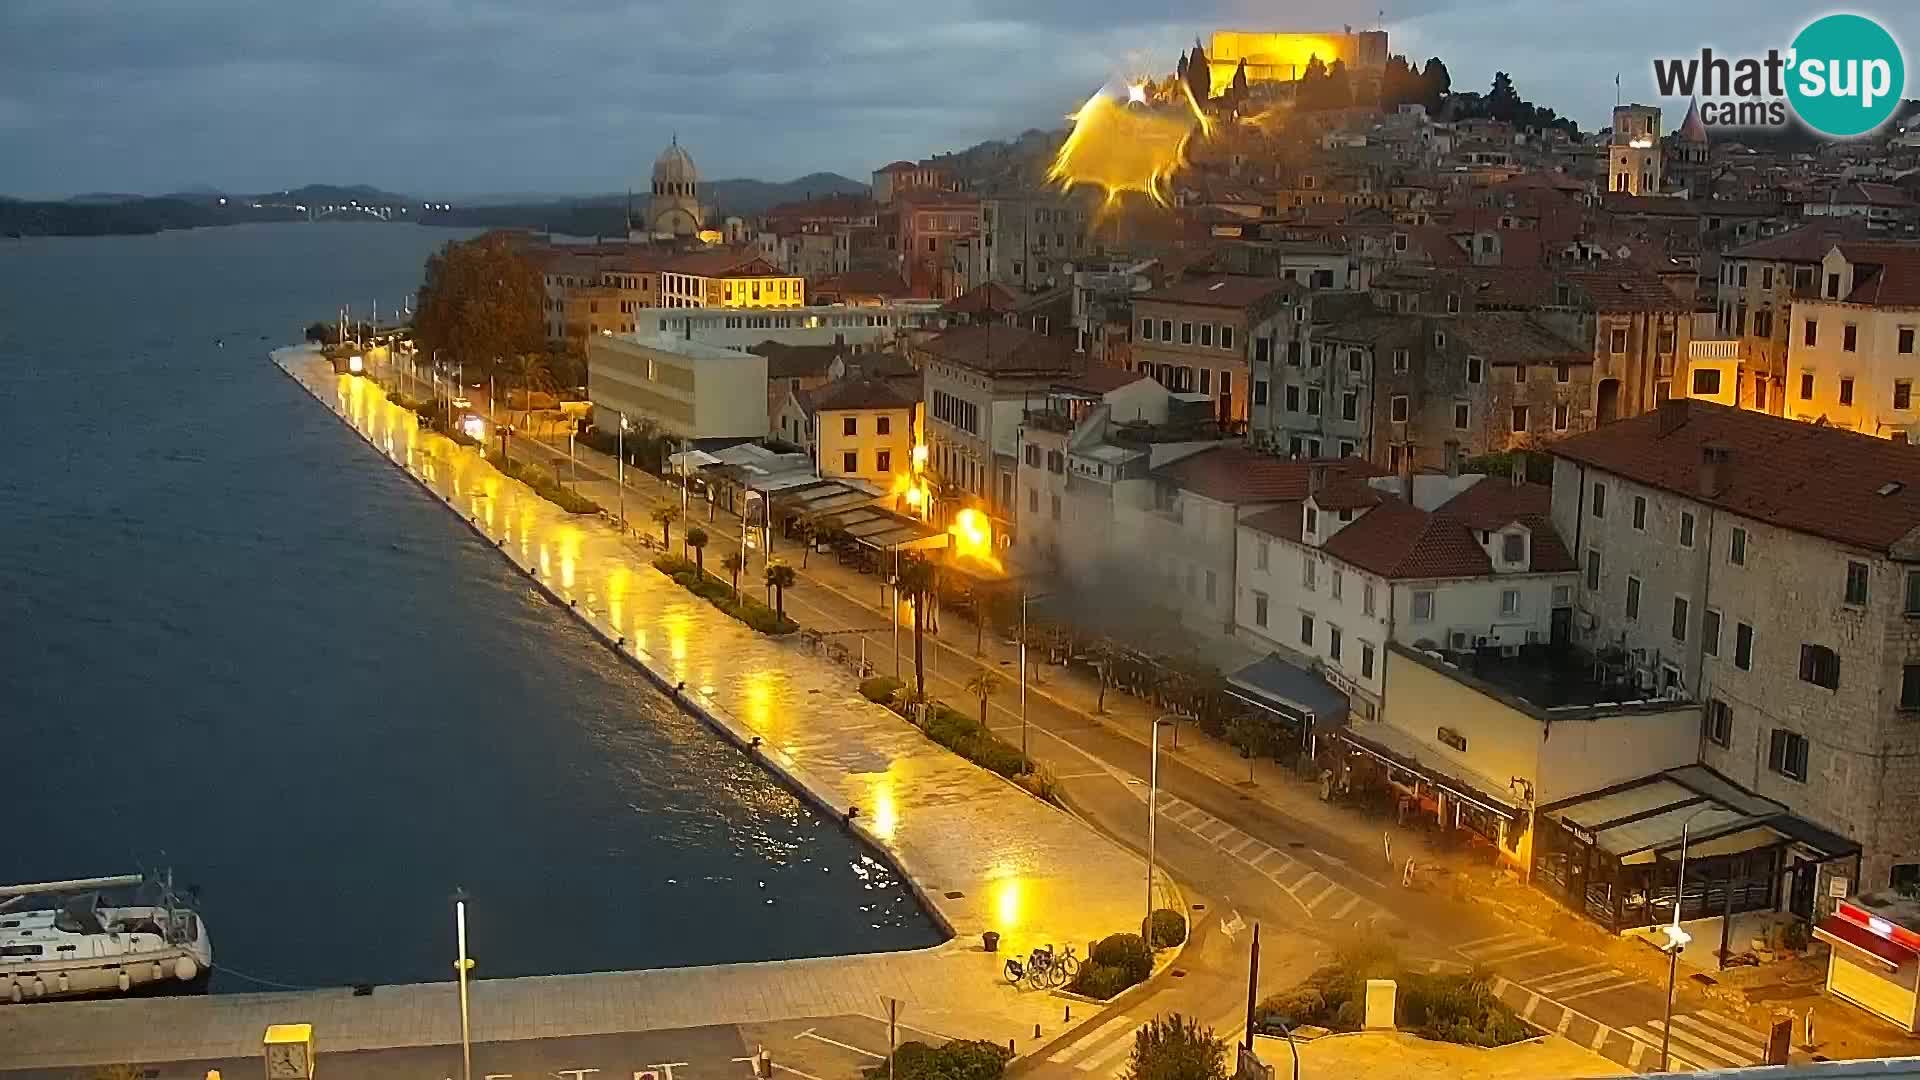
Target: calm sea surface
{"x":234,"y":643}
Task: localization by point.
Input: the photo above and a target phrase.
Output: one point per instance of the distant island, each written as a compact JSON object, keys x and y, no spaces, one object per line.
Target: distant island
{"x":119,"y":214}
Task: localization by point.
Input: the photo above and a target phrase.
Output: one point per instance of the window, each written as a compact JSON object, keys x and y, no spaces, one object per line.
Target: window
{"x":1633,"y":598}
{"x":1166,"y":329}
{"x":1510,"y":601}
{"x":1260,"y":551}
{"x":1593,"y":570}
{"x":1146,"y":329}
{"x":1519,"y":418}
{"x":1186,"y":333}
{"x":1474,"y":368}
{"x":1640,"y":512}
{"x":1850,"y":338}
{"x":1423,"y":606}
{"x":1349,"y":406}
{"x":1462,"y":413}
{"x":1206,"y":334}
{"x":1910,"y":686}
{"x":1856,"y":583}
{"x":1562,"y":373}
{"x":1366,"y":598}
{"x":850,"y":426}
{"x":1903,"y":394}
{"x":1439,"y":339}
{"x":883,"y":461}
{"x":1308,"y":572}
{"x":1906,"y":339}
{"x":1743,"y":646}
{"x":1346,"y":448}
{"x":1453,"y":301}
{"x":1787,"y":754}
{"x":1206,"y":380}
{"x":1710,"y":632}
{"x":1520,"y":373}
{"x":1400,"y":361}
{"x":1846,"y":390}
{"x":1820,"y":666}
{"x":1599,"y":500}
{"x":1833,"y":286}
{"x":1333,"y":642}
{"x":1259,"y":391}
{"x":1397,"y":409}
{"x":1913,"y":593}
{"x":1810,"y":336}
{"x":1033,"y":500}
{"x":850,"y":461}
{"x":1737,"y":548}
{"x":1513,"y":547}
{"x":1226,"y":337}
{"x":1706,"y":381}
{"x":1686,"y":528}
{"x":1260,"y":609}
{"x":1312,"y":530}
{"x":1741,"y":271}
{"x":1306,"y":629}
{"x":1716,"y":724}
{"x":1680,"y":618}
{"x":1806,"y":386}
{"x":1617,"y":341}
{"x":1366,"y":660}
{"x":1354,"y":359}
{"x":1293,"y":399}
{"x":1313,"y":401}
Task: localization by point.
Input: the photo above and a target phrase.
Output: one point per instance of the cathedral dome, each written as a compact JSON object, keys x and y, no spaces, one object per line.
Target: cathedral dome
{"x":674,"y":166}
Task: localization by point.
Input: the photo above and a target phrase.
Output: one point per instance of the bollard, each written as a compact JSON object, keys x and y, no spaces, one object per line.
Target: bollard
{"x":1067,"y":1017}
{"x":1036,"y":1031}
{"x":1010,"y":1049}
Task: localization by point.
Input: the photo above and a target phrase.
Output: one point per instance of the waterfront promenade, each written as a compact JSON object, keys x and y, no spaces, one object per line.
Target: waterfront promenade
{"x":982,"y":854}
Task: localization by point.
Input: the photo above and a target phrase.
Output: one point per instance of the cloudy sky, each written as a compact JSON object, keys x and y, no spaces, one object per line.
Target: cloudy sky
{"x":453,"y":97}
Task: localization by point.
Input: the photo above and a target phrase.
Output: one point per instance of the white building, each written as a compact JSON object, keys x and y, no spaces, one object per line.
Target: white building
{"x":687,"y":389}
{"x":876,"y":326}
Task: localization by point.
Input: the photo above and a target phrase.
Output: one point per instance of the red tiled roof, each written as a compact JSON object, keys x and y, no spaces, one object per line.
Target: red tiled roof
{"x":1513,"y":337}
{"x":999,"y":349}
{"x":1806,"y":244}
{"x":1889,"y":274}
{"x":1625,"y":287}
{"x":984,"y":298}
{"x":1223,"y":290}
{"x":1347,"y":494}
{"x":1496,"y":502}
{"x":1100,"y":379}
{"x":861,"y":283}
{"x":1235,"y":474}
{"x":1871,"y":194}
{"x":862,"y":394}
{"x":1399,"y":540}
{"x":721,"y":264}
{"x":1809,"y":478}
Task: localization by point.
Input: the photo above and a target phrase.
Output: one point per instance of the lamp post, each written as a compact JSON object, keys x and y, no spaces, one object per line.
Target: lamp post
{"x":620,"y":470}
{"x":1677,"y":940}
{"x":1153,"y":800}
{"x":463,"y":965}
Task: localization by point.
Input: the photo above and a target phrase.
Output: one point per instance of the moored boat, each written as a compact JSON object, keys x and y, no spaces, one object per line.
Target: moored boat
{"x":79,"y":945}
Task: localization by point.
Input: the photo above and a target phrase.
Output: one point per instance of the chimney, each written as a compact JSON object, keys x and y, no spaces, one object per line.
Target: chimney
{"x":1714,"y":462}
{"x":1519,"y":467}
{"x":1316,"y":478}
{"x":1673,"y":413}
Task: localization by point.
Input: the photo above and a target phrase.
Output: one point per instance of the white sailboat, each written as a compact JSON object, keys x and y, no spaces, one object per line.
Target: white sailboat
{"x":80,"y":945}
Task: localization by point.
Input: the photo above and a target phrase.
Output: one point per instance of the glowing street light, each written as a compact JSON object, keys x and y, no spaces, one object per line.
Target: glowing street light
{"x":463,"y":965}
{"x":1153,"y":808}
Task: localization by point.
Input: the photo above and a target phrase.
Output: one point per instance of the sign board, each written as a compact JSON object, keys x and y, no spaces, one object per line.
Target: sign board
{"x":1837,"y":887}
{"x":1250,"y":1067}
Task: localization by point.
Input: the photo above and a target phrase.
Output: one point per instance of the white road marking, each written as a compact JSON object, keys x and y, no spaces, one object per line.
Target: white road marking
{"x":1352,"y":902}
{"x":811,"y":1034}
{"x":1621,"y":983}
{"x":1106,"y":1056}
{"x":1088,"y":1039}
{"x":1600,"y":1032}
{"x":1332,"y":887}
{"x":1732,"y":1040}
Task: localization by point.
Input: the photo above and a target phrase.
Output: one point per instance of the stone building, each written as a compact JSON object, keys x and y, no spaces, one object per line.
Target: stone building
{"x":979,"y":381}
{"x":1770,"y":570}
{"x":1197,"y":336}
{"x":673,"y":210}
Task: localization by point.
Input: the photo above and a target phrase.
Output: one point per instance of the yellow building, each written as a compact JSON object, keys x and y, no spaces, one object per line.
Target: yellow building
{"x":1282,"y":57}
{"x":728,"y":279}
{"x":867,"y":428}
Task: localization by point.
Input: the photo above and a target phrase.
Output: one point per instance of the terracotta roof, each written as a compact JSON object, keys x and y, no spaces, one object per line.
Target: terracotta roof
{"x":999,"y":349}
{"x":797,"y":361}
{"x":1496,"y":502}
{"x":1235,"y":474}
{"x":1513,"y":337}
{"x":862,"y":393}
{"x":1100,"y":379}
{"x":1886,"y":274}
{"x":898,"y":166}
{"x":1222,"y":290}
{"x":1625,"y":287}
{"x":1806,"y":244}
{"x":984,"y":298}
{"x":1383,"y":328}
{"x":861,"y":283}
{"x":1692,"y":129}
{"x":1399,"y":540}
{"x":1850,"y":488}
{"x":722,"y":264}
{"x":1347,"y":494}
{"x":1871,"y":194}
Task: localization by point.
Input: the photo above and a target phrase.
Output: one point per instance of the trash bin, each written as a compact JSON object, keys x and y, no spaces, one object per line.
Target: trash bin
{"x":990,"y":941}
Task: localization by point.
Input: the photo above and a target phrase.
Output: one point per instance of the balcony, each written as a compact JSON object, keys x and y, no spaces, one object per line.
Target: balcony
{"x":1713,"y":349}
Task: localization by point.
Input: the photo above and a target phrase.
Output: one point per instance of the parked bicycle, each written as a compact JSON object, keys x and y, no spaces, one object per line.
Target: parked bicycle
{"x":1043,"y":969}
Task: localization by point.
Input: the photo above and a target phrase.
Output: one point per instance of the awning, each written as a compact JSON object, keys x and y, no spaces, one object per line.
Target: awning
{"x":1835,"y":930}
{"x":1293,"y":692}
{"x":1650,"y":816}
{"x":1397,"y":748}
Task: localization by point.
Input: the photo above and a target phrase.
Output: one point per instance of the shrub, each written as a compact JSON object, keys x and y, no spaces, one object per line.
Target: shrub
{"x":880,"y":689}
{"x":1300,"y":1005}
{"x":1128,"y":952}
{"x":1165,"y":928}
{"x":961,"y":1059}
{"x":755,"y":614}
{"x":536,"y":476}
{"x":1174,"y":1047}
{"x":1099,"y":981}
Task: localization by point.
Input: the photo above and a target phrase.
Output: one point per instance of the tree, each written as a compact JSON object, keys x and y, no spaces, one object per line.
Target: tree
{"x":1106,"y":655}
{"x":1237,"y":89}
{"x":733,"y":564}
{"x":531,"y":371}
{"x":696,"y":538}
{"x":1174,"y":1047}
{"x":781,"y":577}
{"x":1339,"y":87}
{"x":666,"y":512}
{"x":1310,"y":93}
{"x":917,"y":582}
{"x":1398,"y":84}
{"x":808,"y":530}
{"x":480,"y":299}
{"x":983,"y":686}
{"x":1438,"y":84}
{"x":1199,"y":74}
{"x":1503,"y":102}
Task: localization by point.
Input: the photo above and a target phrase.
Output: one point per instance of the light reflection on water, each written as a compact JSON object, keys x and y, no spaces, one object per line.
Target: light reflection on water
{"x":268,"y":660}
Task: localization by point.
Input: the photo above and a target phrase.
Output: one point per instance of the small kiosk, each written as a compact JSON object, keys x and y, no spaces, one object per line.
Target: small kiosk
{"x":1875,"y":962}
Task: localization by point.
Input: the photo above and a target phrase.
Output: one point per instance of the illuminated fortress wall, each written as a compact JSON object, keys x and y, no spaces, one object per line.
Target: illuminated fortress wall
{"x":1281,"y":57}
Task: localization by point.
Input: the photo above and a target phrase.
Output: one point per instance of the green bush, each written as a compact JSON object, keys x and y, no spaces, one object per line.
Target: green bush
{"x":1129,"y":952}
{"x":539,"y":478}
{"x":961,"y":1059}
{"x":1100,"y":981}
{"x":755,"y":614}
{"x":1300,"y":1005}
{"x":880,"y":689}
{"x":1174,"y":1047}
{"x":1165,"y":928}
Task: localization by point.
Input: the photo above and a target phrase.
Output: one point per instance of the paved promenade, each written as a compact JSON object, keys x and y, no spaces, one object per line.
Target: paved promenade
{"x":982,"y":854}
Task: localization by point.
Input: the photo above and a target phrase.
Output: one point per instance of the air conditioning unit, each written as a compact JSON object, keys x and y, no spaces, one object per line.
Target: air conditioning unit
{"x":1510,"y":651}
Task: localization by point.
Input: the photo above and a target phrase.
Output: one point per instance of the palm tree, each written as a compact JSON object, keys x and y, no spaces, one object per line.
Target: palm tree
{"x":666,"y":512}
{"x":532,"y":371}
{"x":916,"y":581}
{"x":696,"y":538}
{"x":983,"y":686}
{"x":781,"y":577}
{"x":808,"y":528}
{"x":734,"y":564}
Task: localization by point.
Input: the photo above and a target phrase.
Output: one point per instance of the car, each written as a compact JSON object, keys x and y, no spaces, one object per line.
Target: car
{"x":461,"y":402}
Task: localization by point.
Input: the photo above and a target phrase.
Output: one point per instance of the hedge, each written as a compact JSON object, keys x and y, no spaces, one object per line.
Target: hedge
{"x":961,"y":1059}
{"x":1165,"y":928}
{"x":1446,"y":1008}
{"x":1117,"y":962}
{"x":880,"y":689}
{"x":718,"y":593}
{"x":542,"y":481}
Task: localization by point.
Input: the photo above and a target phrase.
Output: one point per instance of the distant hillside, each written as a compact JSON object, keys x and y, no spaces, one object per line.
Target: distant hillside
{"x":606,"y":215}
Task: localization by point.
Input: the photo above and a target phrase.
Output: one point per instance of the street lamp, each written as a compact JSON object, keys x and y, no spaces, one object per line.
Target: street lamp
{"x":463,"y":965}
{"x":1677,"y":939}
{"x":620,"y":470}
{"x":1024,"y":598}
{"x":1153,"y":799}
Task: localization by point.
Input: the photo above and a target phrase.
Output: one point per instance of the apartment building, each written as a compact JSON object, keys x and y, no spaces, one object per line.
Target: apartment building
{"x":729,"y":279}
{"x":687,"y":389}
{"x":1768,"y":569}
{"x":1851,"y":358}
{"x":1077,"y":442}
{"x":1754,"y":294}
{"x":867,"y":427}
{"x":1196,"y":336}
{"x":979,"y":381}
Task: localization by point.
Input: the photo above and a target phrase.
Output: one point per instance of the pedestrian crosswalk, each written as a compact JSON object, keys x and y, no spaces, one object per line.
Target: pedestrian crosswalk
{"x":1102,"y":1050}
{"x":1319,"y":894}
{"x":1516,"y":945}
{"x":1565,"y":983}
{"x":1700,"y":1040}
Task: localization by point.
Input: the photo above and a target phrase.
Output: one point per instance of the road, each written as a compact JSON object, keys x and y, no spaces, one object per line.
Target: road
{"x":1224,"y":837}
